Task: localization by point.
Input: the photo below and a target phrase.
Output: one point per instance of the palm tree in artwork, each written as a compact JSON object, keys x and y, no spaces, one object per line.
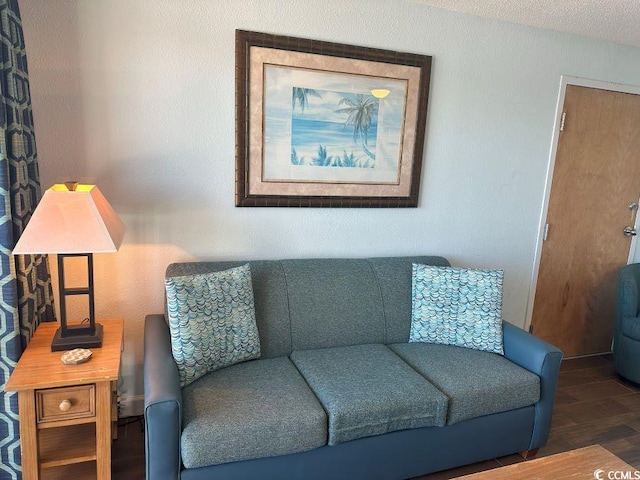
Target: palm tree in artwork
{"x":301,"y":95}
{"x":322,"y":160}
{"x":360,"y":111}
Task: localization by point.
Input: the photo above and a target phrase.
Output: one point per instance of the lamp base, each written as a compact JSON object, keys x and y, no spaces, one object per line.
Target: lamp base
{"x":70,"y":342}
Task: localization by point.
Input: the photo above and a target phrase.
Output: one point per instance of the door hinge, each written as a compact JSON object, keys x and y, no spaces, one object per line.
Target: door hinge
{"x":545,"y":234}
{"x":564,"y":117}
{"x":531,"y":328}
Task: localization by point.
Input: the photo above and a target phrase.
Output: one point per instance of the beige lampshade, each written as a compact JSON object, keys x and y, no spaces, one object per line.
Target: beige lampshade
{"x":80,"y":221}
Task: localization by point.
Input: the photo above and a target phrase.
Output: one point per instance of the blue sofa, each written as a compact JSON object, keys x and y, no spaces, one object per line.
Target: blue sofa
{"x":338,"y":391}
{"x":626,"y":337}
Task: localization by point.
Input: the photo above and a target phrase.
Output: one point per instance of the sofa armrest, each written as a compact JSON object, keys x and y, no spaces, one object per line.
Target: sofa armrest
{"x":631,"y":327}
{"x":627,"y":298}
{"x":543,"y":359}
{"x":162,"y":402}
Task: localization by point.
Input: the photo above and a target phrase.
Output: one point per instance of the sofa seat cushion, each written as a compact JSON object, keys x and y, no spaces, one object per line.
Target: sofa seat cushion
{"x":368,"y":390}
{"x":250,"y":410}
{"x":477,"y":383}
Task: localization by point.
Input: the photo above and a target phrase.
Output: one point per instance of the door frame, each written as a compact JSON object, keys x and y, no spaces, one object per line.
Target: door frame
{"x":566,"y":80}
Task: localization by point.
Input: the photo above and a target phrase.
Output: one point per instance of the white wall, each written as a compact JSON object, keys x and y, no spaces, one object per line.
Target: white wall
{"x":138,"y":96}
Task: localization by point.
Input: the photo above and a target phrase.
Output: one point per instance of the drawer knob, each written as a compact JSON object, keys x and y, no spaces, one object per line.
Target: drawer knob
{"x":65,"y":405}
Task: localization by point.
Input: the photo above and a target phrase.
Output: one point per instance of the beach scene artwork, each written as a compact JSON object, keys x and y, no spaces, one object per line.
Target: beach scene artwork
{"x":347,"y":124}
{"x":329,"y":127}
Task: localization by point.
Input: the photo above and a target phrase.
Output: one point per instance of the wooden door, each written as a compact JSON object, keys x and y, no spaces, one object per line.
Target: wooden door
{"x":596,"y":182}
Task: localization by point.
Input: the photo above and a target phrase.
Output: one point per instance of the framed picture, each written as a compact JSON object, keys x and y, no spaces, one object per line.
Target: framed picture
{"x":322,"y":124}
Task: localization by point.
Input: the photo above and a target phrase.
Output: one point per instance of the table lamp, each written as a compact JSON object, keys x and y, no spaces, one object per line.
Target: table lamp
{"x":73,"y":220}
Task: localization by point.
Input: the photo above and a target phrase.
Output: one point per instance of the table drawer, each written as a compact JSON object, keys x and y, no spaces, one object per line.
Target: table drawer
{"x":66,"y":403}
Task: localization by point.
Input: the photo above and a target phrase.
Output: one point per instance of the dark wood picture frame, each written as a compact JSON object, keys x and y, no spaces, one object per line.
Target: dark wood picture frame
{"x":270,"y":69}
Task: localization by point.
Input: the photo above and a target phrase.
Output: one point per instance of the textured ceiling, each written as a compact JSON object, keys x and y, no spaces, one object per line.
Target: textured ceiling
{"x":614,"y":20}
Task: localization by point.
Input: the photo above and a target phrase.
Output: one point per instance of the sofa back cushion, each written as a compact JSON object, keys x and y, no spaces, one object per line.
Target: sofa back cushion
{"x":320,"y":303}
{"x":333,"y":303}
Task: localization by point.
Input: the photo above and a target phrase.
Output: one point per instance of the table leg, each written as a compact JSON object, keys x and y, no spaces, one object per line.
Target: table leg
{"x":103,"y":430}
{"x":28,"y":435}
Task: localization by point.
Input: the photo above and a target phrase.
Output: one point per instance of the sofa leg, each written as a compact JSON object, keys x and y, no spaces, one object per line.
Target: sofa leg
{"x":529,"y":454}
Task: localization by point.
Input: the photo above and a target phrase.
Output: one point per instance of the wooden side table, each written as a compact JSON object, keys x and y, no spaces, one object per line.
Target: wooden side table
{"x":67,"y":411}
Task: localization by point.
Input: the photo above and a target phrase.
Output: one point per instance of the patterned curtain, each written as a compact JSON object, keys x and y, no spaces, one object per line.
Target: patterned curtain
{"x":25,"y":284}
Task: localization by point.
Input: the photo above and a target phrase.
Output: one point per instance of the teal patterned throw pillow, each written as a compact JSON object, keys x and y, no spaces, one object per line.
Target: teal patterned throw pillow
{"x":212,"y":321}
{"x":457,"y":306}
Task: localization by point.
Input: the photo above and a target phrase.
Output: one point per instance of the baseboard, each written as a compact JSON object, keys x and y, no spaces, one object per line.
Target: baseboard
{"x":130,"y":405}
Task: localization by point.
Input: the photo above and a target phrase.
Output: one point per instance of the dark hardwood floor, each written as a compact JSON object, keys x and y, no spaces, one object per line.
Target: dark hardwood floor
{"x":127,"y":452}
{"x":593,"y":406}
